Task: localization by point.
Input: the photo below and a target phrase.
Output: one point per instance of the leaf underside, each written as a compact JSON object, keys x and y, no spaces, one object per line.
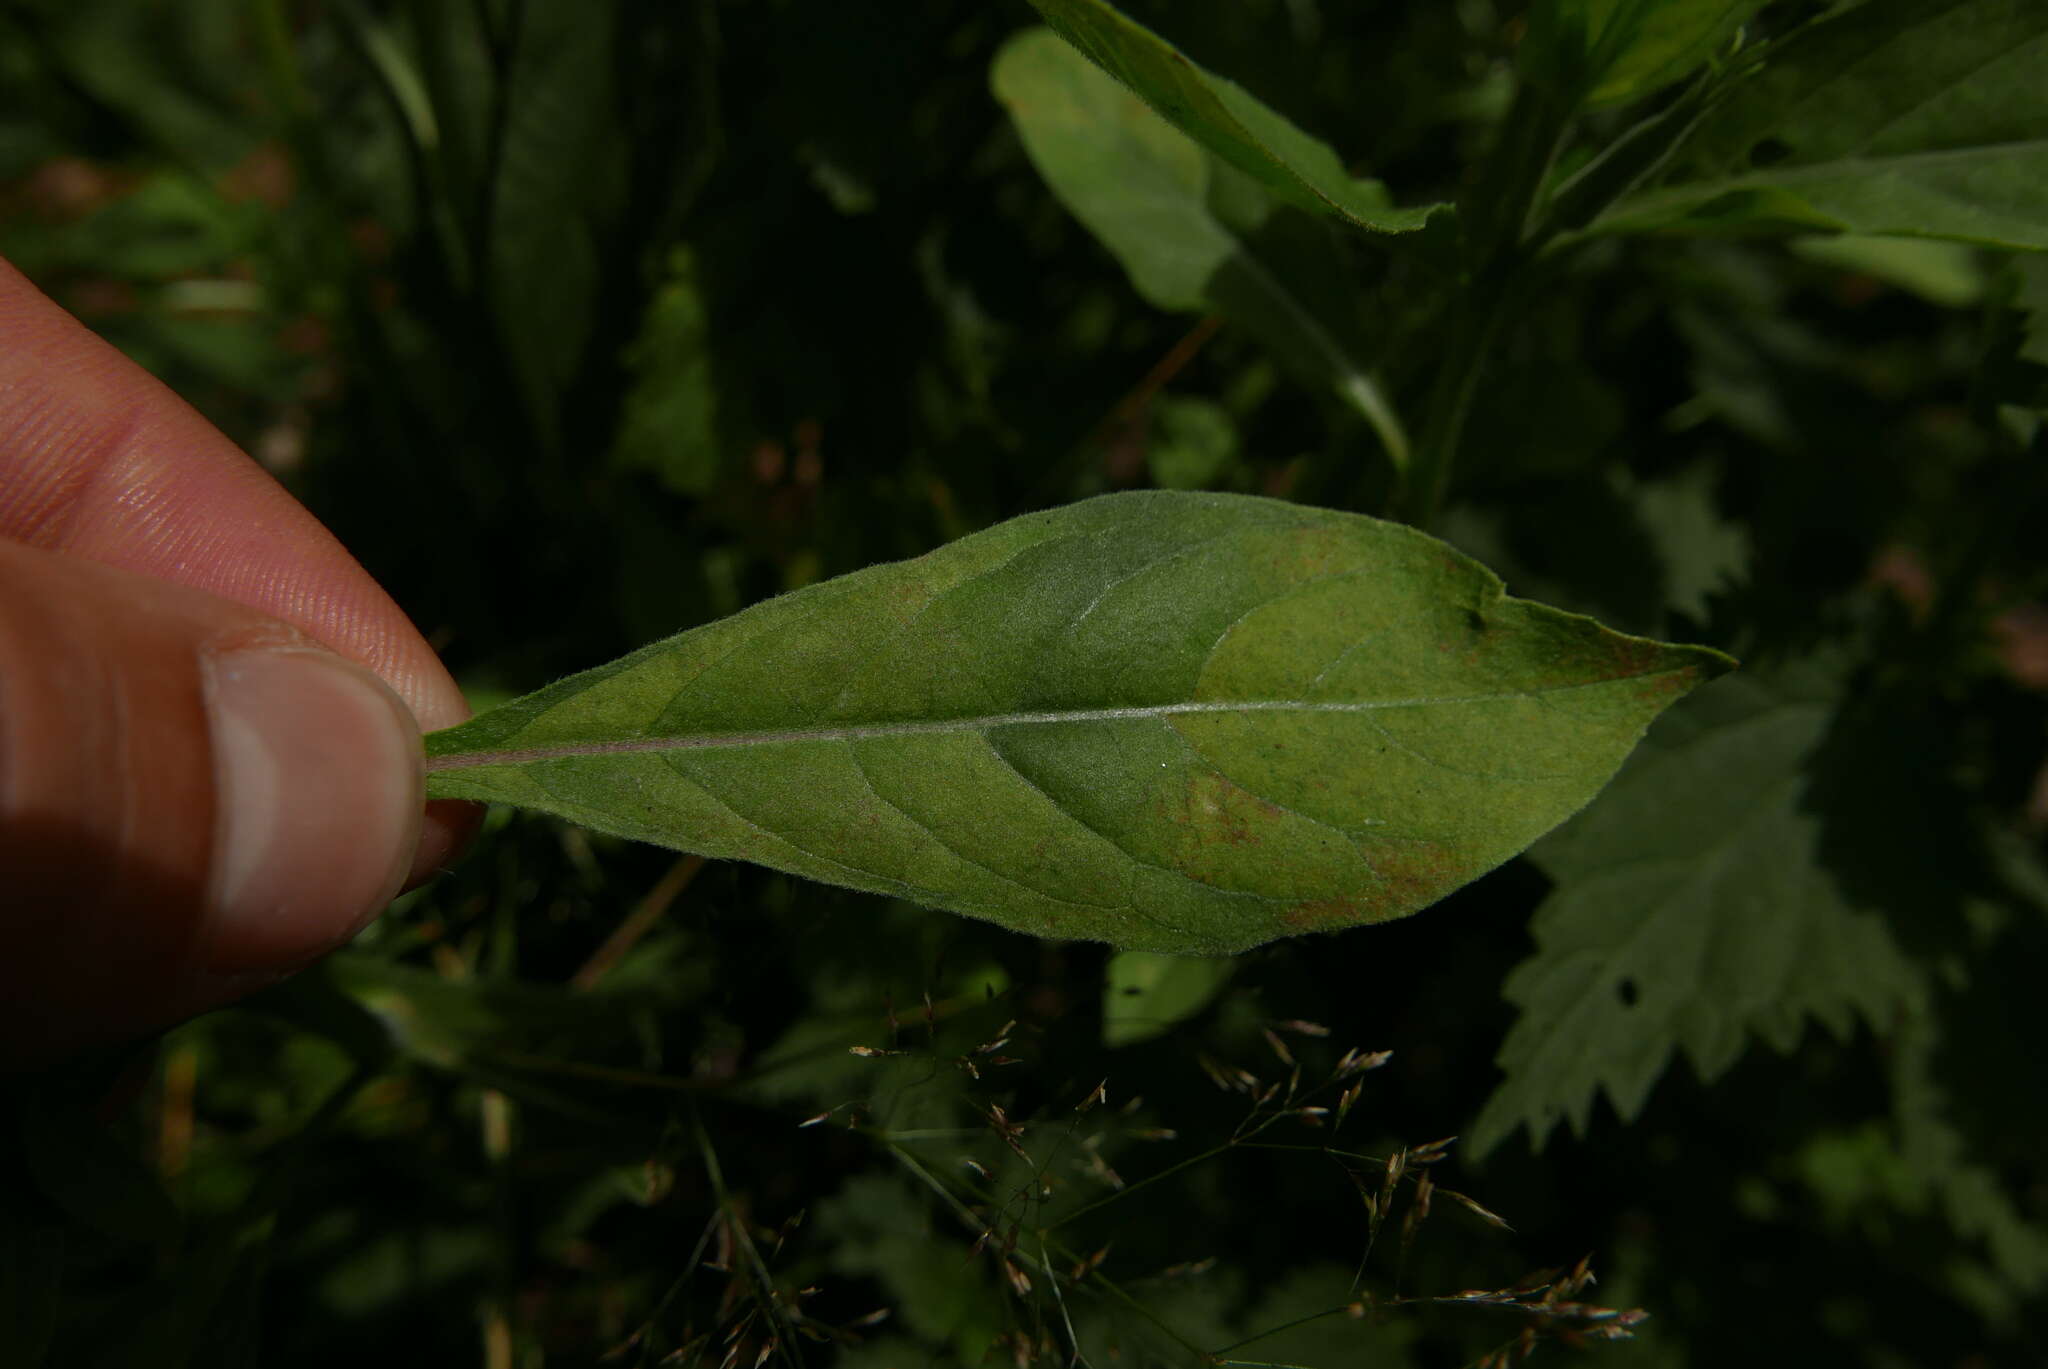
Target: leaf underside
{"x":1175,"y":722}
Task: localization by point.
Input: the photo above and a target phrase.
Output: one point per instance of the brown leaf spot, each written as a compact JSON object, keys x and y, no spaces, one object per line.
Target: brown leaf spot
{"x":1327,"y":914}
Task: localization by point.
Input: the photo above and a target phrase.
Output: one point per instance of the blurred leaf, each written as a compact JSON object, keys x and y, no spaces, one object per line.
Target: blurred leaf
{"x":559,"y":163}
{"x":1194,"y":443}
{"x":1227,"y":120}
{"x":669,"y":420}
{"x":1701,"y":551}
{"x":1175,"y":722}
{"x":1692,"y":910}
{"x":934,"y":1288}
{"x":1617,"y":50}
{"x":1185,"y":225}
{"x":448,"y":1022}
{"x":1944,"y":273}
{"x":2032,"y":300}
{"x":1146,"y":995}
{"x":1936,"y":1161}
{"x":163,"y":68}
{"x":1911,"y":118}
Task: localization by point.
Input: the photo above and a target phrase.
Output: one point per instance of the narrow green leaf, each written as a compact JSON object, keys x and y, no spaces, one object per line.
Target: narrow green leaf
{"x":558,"y":163}
{"x":1173,"y":721}
{"x":1632,"y":47}
{"x":1911,"y":118}
{"x":1692,"y":910}
{"x":1191,"y":230}
{"x":1223,"y":117}
{"x":1146,"y":995}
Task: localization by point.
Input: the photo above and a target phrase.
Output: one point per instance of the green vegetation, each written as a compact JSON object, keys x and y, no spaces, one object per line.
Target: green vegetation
{"x":585,"y":325}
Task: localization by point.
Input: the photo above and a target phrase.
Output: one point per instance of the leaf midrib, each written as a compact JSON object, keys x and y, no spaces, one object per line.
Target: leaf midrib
{"x":925,"y":727}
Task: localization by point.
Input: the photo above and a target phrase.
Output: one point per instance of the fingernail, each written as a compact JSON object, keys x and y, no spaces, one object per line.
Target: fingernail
{"x":318,"y":772}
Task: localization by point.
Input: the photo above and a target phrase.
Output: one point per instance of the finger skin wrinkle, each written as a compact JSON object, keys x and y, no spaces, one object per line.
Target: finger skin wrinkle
{"x":56,"y":459}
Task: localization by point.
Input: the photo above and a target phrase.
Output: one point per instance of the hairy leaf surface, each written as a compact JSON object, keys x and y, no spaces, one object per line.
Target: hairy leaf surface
{"x":1191,"y":230}
{"x":1172,"y":721}
{"x":1692,"y":910}
{"x":1225,"y":118}
{"x":1916,"y":118}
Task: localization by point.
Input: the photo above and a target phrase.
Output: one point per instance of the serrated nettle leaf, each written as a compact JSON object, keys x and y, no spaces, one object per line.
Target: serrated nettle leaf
{"x":1195,"y":233}
{"x":1223,"y":117}
{"x":1692,"y":910}
{"x":1911,"y":118}
{"x":1172,"y":721}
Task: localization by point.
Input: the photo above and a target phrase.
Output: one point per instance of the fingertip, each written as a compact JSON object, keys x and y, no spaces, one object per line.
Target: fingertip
{"x":319,"y":792}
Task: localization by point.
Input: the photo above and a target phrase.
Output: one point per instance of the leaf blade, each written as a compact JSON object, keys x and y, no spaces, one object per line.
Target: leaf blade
{"x":1177,"y":722}
{"x":1193,"y":233}
{"x":1228,"y":120}
{"x":1905,"y":118}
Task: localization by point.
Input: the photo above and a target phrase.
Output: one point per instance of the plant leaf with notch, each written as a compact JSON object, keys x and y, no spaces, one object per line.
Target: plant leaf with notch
{"x":1228,"y":120}
{"x":1914,"y":118}
{"x":1172,"y":721}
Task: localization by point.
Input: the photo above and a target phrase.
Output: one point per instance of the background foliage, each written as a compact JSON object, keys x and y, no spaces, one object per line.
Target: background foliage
{"x":581,"y":324}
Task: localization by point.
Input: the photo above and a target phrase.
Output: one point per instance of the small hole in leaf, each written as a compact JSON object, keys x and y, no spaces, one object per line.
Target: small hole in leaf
{"x":1769,"y":152}
{"x":1626,"y":992}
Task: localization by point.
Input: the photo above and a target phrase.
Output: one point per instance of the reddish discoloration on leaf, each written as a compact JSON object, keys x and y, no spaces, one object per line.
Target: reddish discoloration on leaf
{"x":1326,"y":915}
{"x":1214,"y":809}
{"x":1413,"y":875}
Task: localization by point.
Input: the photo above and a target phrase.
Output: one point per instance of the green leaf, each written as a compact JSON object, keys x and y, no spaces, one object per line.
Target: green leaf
{"x":1701,"y":550}
{"x":1226,"y":119}
{"x":559,"y":168}
{"x":1944,"y":273}
{"x":1146,"y":995}
{"x":1692,"y":910}
{"x":2031,"y":299}
{"x":1911,"y":118}
{"x":1173,"y":721}
{"x":1935,"y":1158}
{"x":1195,"y":234}
{"x":1194,"y":443}
{"x":668,"y":422}
{"x":1628,"y":48}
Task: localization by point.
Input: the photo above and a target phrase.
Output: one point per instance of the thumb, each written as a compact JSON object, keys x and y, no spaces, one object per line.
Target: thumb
{"x":195,"y":800}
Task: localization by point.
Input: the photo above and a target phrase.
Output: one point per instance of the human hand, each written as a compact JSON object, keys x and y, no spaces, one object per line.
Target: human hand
{"x":210,"y":715}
